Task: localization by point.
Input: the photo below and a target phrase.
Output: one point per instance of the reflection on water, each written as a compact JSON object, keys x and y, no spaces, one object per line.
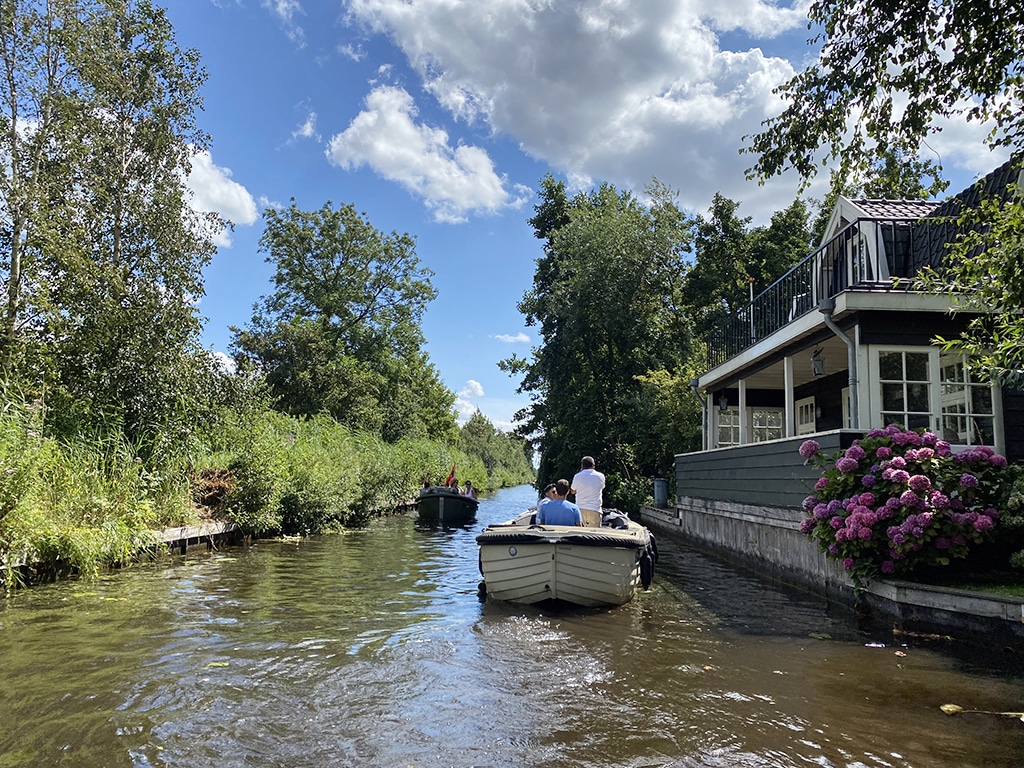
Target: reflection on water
{"x":373,"y":649}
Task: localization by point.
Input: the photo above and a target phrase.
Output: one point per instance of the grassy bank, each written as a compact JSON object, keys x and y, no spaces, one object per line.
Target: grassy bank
{"x":90,"y":503}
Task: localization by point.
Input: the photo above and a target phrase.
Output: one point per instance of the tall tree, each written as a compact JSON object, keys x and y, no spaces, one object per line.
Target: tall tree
{"x":902,"y":71}
{"x":341,"y":332}
{"x":733,"y":261}
{"x":104,"y":255}
{"x":606,"y":297}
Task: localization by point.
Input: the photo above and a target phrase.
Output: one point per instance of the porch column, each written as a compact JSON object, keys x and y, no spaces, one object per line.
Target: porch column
{"x":744,"y":418}
{"x":787,"y":385}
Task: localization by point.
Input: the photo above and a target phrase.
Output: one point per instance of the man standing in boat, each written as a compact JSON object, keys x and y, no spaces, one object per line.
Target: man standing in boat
{"x":588,"y":485}
{"x":559,"y":511}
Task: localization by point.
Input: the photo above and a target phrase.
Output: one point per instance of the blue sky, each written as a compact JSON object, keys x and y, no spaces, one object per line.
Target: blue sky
{"x":439,"y":118}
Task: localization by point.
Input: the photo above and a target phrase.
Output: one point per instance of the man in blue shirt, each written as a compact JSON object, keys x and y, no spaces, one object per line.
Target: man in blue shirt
{"x":558,"y":511}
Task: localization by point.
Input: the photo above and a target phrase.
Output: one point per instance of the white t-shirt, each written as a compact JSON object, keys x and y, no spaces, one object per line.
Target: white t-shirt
{"x":588,"y":484}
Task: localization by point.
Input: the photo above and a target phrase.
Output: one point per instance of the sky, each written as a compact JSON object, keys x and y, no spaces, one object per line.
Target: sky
{"x":439,"y":118}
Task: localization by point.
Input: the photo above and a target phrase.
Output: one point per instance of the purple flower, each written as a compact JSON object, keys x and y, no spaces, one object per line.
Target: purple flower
{"x":848,"y":563}
{"x":821,"y":484}
{"x":846,"y":465}
{"x":898,"y":462}
{"x":909,"y":499}
{"x":983,"y":523}
{"x":868,"y":481}
{"x":807,"y":525}
{"x":883,"y":452}
{"x":867,"y":499}
{"x":809,"y":503}
{"x":929,"y":438}
{"x":938,"y":500}
{"x":920,"y":483}
{"x":888,"y":567}
{"x":855,"y":452}
{"x":899,"y":476}
{"x":996,"y":460}
{"x":968,"y":481}
{"x":942,"y":448}
{"x":942,"y":543}
{"x":809,"y":448}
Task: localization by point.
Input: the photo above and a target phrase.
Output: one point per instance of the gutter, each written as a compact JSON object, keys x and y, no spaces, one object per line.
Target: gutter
{"x":827,"y":307}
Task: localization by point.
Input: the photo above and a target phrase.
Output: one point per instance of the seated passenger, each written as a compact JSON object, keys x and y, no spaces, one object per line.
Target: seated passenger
{"x":469,"y":490}
{"x":558,"y":511}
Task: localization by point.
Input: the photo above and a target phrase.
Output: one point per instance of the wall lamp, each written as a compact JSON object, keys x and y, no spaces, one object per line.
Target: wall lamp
{"x":723,"y":401}
{"x":818,"y":363}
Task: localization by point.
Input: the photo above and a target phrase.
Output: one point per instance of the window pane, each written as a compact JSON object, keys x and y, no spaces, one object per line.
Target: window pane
{"x":984,"y":431}
{"x":917,"y":397}
{"x":890,"y":366}
{"x":918,"y":420}
{"x":952,"y":368}
{"x":893,"y":418}
{"x":954,"y":429}
{"x":917,"y":366}
{"x":981,"y":400}
{"x":892,"y":397}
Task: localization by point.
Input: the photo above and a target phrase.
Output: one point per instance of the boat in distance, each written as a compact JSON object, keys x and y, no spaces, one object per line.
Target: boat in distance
{"x":522,"y":562}
{"x":440,"y":505}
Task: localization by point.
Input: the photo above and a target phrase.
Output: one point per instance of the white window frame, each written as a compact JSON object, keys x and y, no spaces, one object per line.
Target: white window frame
{"x":936,"y":404}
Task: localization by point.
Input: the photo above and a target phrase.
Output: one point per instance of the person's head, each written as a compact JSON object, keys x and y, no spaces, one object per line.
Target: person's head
{"x":469,"y":483}
{"x":549,"y":491}
{"x":562,"y":489}
{"x":587,"y":462}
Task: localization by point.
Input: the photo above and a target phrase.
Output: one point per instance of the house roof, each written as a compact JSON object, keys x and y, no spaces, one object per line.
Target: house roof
{"x":896,"y":209}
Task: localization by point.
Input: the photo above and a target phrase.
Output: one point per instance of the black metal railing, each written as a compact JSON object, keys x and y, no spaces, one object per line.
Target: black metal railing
{"x":867,"y":252}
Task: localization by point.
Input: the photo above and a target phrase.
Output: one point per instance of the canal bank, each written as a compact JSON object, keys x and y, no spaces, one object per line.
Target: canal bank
{"x":767,"y":539}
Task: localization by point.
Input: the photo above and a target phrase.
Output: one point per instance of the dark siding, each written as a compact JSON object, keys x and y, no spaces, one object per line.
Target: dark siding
{"x":1013,"y":423}
{"x":762,"y":474}
{"x":916,"y":329}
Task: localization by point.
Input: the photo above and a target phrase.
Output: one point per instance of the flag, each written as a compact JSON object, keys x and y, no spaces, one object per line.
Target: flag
{"x":451,"y":476}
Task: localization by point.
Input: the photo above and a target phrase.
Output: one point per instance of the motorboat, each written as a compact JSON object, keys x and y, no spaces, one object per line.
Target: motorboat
{"x":443,"y":506}
{"x":522,"y":562}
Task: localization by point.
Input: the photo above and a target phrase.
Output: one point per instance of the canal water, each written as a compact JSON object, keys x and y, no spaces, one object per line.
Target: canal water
{"x":373,"y":649}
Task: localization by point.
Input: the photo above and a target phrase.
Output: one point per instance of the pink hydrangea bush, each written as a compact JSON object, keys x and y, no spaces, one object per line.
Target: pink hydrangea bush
{"x":898,"y":500}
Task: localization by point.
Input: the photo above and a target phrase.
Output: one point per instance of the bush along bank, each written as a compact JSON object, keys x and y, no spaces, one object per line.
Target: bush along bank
{"x":898,"y":502}
{"x":78,"y":507}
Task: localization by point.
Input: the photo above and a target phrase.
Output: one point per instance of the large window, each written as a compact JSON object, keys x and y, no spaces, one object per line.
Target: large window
{"x":764,"y":423}
{"x":925,"y":388}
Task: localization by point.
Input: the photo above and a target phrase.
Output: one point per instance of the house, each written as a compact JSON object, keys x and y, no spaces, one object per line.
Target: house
{"x":839,"y":345}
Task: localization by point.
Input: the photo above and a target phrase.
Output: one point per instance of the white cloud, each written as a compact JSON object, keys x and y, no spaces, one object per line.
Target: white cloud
{"x":472,"y":389}
{"x":214,"y":191}
{"x":519,"y":338}
{"x":607,"y":89}
{"x":285,"y":11}
{"x":308,"y":129}
{"x":452,"y":180}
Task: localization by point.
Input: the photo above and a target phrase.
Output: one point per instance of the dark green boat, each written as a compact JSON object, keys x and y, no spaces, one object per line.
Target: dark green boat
{"x":438,"y":505}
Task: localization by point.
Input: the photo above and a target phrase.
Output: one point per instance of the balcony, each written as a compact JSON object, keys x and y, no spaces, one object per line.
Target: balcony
{"x":869,"y":253}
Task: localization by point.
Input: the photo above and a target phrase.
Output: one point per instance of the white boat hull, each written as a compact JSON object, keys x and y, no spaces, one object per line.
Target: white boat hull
{"x":582,"y":566}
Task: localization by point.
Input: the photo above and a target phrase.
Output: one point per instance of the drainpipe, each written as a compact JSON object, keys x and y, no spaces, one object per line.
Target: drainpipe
{"x":704,"y":414}
{"x":827,"y":307}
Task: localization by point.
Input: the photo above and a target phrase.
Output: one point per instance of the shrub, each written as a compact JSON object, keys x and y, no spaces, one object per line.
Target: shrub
{"x":898,"y":501}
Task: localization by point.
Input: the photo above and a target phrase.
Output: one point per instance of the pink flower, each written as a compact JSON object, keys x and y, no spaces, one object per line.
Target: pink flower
{"x":846,"y":465}
{"x":848,"y":563}
{"x":997,"y":460}
{"x":920,"y":483}
{"x":809,"y":448}
{"x":883,"y":452}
